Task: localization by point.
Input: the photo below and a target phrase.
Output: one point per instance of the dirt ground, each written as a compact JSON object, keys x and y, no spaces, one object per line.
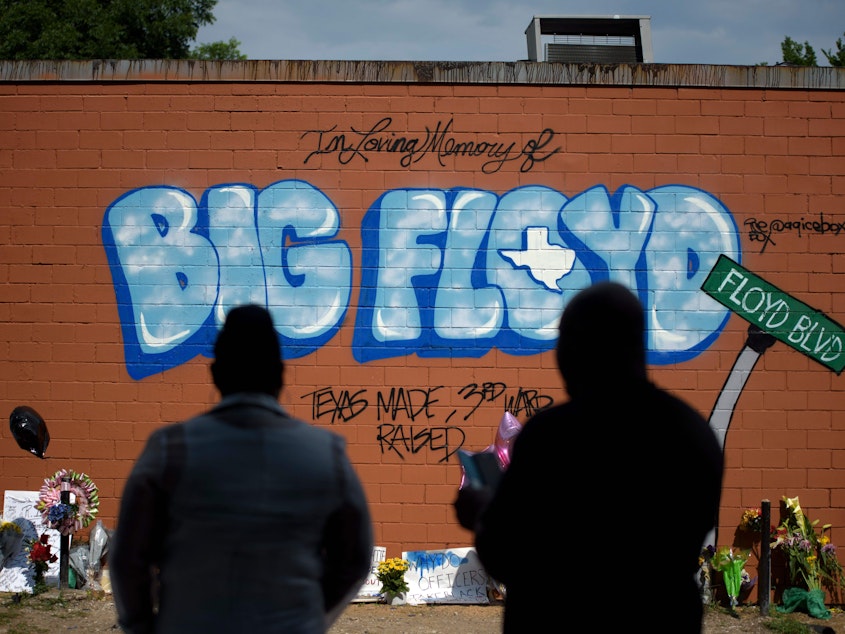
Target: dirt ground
{"x":58,"y":611}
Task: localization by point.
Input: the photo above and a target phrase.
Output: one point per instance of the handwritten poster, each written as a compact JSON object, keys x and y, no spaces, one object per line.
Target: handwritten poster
{"x":17,"y":574}
{"x":370,"y":588}
{"x":454,"y":575}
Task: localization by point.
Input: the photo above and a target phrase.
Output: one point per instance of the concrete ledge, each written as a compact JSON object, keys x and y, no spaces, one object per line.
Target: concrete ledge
{"x":379,"y":72}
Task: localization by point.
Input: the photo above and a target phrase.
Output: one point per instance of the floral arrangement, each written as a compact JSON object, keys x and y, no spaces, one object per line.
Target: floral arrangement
{"x":810,"y":557}
{"x":391,"y":574}
{"x":730,"y":563}
{"x":83,"y":506}
{"x":40,"y":557}
{"x":752,"y":521}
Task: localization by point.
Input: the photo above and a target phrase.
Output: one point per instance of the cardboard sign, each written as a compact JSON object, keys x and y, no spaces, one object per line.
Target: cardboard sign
{"x":454,"y":575}
{"x":370,"y":589}
{"x":18,"y":575}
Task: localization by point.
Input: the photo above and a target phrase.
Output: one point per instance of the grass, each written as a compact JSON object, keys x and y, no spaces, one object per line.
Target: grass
{"x":785,"y":625}
{"x":10,"y":618}
{"x":775,"y":621}
{"x":13,"y":619}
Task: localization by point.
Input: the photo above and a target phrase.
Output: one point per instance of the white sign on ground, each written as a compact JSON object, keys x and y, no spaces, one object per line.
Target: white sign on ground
{"x":454,"y":575}
{"x":17,"y":574}
{"x":370,"y":589}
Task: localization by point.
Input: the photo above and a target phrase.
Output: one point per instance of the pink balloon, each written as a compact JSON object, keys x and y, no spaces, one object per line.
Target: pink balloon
{"x":509,"y":427}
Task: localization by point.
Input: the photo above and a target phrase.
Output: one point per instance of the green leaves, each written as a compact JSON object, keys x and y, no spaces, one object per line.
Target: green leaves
{"x":798,"y":54}
{"x":837,"y":57}
{"x":93,"y":29}
{"x":218,"y":50}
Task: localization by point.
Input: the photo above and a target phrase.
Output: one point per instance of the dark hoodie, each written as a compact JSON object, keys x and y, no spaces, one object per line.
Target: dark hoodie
{"x":608,"y":497}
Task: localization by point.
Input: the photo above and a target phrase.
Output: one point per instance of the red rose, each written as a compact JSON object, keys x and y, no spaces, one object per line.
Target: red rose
{"x":40,"y":551}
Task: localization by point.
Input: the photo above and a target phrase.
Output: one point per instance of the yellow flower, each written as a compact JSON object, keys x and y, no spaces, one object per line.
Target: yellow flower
{"x":391,"y":574}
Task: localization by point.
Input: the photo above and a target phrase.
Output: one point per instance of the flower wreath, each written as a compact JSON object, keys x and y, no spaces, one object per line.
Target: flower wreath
{"x":84,"y":502}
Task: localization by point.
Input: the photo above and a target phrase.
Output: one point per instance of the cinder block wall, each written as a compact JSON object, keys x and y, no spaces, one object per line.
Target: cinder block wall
{"x":353,"y":175}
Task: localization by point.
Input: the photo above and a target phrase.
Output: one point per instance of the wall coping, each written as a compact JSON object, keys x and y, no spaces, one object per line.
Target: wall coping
{"x":416,"y":72}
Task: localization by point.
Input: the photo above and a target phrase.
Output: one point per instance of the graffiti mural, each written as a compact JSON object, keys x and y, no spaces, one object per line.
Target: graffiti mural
{"x":444,"y":273}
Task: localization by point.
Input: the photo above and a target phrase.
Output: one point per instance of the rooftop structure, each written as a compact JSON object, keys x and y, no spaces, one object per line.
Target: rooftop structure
{"x":591,"y":39}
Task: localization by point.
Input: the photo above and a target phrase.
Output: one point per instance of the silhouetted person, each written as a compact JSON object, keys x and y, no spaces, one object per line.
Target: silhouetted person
{"x":242,"y":519}
{"x":608,"y":497}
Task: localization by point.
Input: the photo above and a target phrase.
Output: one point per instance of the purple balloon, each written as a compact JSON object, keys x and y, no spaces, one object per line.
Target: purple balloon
{"x":30,"y":430}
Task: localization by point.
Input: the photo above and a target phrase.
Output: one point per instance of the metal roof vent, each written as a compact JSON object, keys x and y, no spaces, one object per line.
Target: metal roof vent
{"x":598,"y":39}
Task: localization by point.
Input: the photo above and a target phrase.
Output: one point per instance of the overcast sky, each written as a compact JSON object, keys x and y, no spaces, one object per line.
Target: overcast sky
{"x":743,"y":32}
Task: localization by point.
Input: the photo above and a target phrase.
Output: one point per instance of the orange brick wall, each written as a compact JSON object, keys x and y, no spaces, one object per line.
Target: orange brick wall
{"x":70,"y":149}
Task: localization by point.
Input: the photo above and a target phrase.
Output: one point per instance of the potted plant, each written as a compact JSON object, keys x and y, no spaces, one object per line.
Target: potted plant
{"x":391,"y":574}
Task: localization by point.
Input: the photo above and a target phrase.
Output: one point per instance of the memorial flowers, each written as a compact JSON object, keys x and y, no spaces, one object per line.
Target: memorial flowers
{"x":40,"y":557}
{"x":391,"y":574}
{"x":730,"y":562}
{"x":752,"y":521}
{"x":829,"y":563}
{"x":810,"y":557}
{"x":750,"y":531}
{"x":69,"y":517}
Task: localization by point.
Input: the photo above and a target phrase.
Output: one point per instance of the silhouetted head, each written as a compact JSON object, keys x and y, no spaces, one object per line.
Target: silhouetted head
{"x":247,"y":353}
{"x":601,"y":340}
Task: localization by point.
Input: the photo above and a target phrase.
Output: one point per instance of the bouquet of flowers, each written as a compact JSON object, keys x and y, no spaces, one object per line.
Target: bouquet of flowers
{"x":810,"y":557}
{"x":40,"y":557}
{"x":391,"y":574}
{"x":752,"y":521}
{"x":730,"y":563}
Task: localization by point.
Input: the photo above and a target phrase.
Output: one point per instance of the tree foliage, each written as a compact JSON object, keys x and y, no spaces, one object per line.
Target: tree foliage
{"x":797,"y":54}
{"x":837,"y":57}
{"x":102,"y":29}
{"x":218,"y":50}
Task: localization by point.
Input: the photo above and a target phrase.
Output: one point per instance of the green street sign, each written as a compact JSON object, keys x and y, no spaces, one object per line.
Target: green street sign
{"x":799,"y":326}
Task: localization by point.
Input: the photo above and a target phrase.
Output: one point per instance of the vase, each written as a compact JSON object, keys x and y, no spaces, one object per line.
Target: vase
{"x":394,"y":598}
